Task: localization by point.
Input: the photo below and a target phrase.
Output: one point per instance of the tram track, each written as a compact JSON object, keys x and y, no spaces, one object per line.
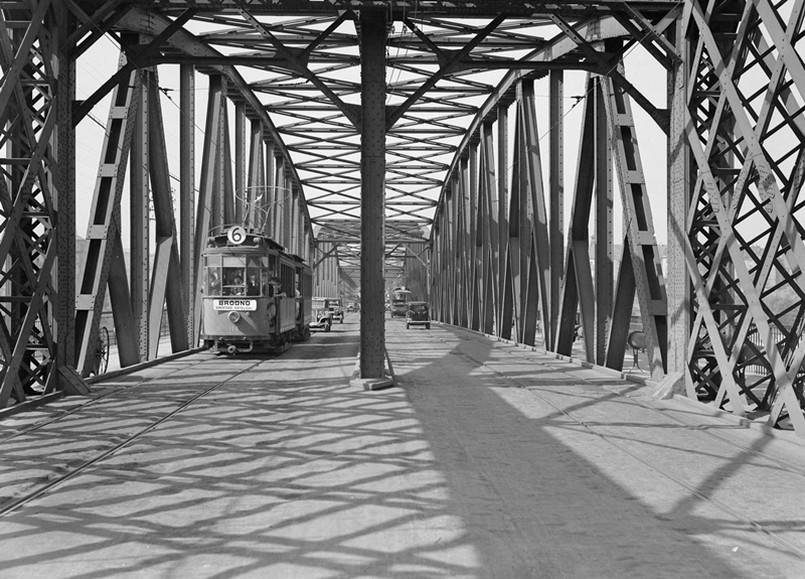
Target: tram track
{"x":63,"y":473}
{"x":89,"y":403}
{"x":781,"y":542}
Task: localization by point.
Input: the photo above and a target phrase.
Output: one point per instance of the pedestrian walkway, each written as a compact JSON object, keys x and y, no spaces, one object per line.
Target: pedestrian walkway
{"x":486,"y":460}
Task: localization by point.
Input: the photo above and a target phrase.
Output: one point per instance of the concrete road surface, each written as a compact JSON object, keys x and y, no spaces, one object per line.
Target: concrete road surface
{"x":485,"y":461}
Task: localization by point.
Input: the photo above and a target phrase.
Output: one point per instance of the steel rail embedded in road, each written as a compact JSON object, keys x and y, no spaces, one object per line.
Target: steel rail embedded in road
{"x":16,"y":503}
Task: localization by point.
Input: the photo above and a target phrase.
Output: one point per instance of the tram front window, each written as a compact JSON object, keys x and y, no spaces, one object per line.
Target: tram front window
{"x":213,"y":282}
{"x":253,"y":285}
{"x":233,"y":281}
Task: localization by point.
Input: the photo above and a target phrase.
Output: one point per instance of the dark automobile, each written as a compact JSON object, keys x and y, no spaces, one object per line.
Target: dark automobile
{"x":418,"y":314}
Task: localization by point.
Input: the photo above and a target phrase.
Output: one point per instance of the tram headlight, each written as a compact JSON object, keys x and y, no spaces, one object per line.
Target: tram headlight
{"x":234,"y":317}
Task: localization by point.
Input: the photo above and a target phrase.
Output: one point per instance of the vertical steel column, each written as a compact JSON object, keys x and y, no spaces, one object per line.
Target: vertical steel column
{"x":300,"y":228}
{"x":294,"y":221}
{"x":165,"y":292}
{"x":102,"y":264}
{"x":450,"y":252}
{"x":476,"y":242}
{"x":518,"y":226}
{"x":139,"y":222}
{"x":64,"y":203}
{"x":433,"y":273}
{"x":220,"y":201}
{"x":207,"y":186}
{"x":578,"y":291}
{"x":255,"y":191}
{"x":187,"y":191}
{"x":505,"y":296}
{"x":556,"y":193}
{"x":463,"y":265}
{"x":334,"y":277}
{"x":270,"y":180}
{"x":639,"y":231}
{"x":604,"y":233}
{"x":679,"y":194}
{"x":489,"y":226}
{"x":287,"y":208}
{"x":129,"y":311}
{"x":241,"y":178}
{"x":279,"y":201}
{"x":453,"y":240}
{"x":290,"y":216}
{"x":282,"y":210}
{"x":453,"y":258}
{"x":228,"y":187}
{"x":373,"y":167}
{"x":437,"y":267}
{"x":538,"y":260}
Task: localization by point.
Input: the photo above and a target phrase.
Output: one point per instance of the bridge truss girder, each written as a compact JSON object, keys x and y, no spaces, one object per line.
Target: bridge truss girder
{"x":743,"y":231}
{"x":37,"y":197}
{"x":737,"y":166}
{"x":501,"y":258}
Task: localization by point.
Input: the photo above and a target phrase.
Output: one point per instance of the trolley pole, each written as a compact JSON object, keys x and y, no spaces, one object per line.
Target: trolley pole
{"x":373,"y":37}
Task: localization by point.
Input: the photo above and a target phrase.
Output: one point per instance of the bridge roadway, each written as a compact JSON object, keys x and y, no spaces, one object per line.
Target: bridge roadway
{"x":487,"y":460}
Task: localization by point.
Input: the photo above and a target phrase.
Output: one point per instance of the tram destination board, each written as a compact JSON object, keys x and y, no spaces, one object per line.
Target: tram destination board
{"x":235,"y":304}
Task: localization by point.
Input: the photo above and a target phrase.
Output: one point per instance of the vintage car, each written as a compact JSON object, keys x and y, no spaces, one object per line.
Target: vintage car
{"x":321,"y":318}
{"x":418,"y":314}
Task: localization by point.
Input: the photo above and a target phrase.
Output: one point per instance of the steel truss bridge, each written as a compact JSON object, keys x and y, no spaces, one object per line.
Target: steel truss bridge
{"x":419,"y":137}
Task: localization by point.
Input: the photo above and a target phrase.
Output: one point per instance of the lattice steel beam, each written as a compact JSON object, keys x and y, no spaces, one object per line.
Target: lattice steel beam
{"x":36,"y":169}
{"x":744,"y":232}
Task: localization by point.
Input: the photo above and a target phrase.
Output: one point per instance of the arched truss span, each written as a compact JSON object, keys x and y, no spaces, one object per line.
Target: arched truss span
{"x":185,"y":48}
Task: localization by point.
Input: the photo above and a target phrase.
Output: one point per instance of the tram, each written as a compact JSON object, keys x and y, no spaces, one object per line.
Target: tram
{"x":400,"y":296}
{"x":256,"y":297}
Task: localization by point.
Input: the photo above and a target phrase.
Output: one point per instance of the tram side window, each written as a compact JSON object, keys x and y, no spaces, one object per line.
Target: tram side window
{"x":287,"y":281}
{"x":212,"y":277}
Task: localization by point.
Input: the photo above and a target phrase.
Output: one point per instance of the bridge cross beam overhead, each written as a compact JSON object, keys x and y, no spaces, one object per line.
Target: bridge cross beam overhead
{"x":491,"y":155}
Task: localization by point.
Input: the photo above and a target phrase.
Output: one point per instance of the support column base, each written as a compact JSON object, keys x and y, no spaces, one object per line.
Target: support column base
{"x":671,"y":385}
{"x":373,"y":383}
{"x":387,"y":381}
{"x":72,"y":383}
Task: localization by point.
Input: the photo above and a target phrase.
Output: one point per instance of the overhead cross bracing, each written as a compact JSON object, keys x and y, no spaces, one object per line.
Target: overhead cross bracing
{"x":464,"y":162}
{"x":440,"y":72}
